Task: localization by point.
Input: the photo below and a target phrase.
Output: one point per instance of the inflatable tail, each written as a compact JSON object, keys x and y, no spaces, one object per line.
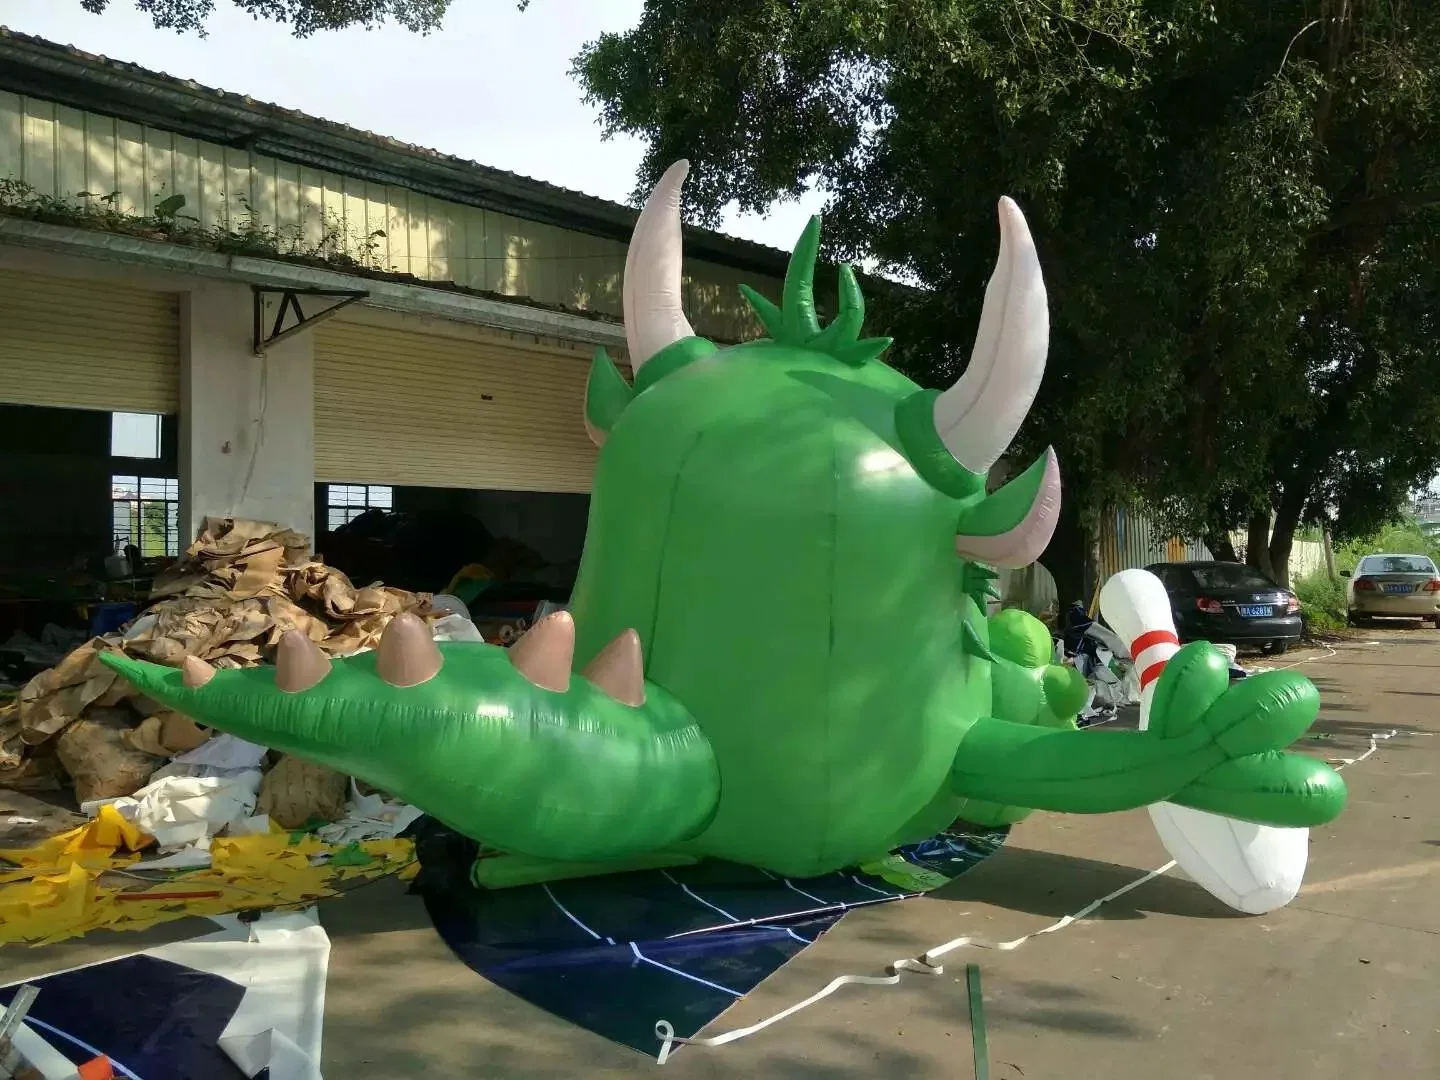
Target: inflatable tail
{"x":505,"y":746}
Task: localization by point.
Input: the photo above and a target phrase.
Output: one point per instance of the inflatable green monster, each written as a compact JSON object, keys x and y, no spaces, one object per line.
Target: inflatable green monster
{"x":776,"y":655}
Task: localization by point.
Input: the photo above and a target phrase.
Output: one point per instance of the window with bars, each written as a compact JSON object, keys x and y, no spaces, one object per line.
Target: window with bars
{"x":146,"y":513}
{"x":345,"y":502}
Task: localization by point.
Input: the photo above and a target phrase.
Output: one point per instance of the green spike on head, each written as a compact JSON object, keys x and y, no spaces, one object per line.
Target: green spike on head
{"x":795,"y":320}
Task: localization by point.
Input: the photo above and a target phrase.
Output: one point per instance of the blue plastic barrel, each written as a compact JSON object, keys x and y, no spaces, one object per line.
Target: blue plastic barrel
{"x":107,"y":618}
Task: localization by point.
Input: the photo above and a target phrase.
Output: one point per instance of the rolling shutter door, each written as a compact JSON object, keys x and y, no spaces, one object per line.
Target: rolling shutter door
{"x":88,"y":345}
{"x":409,"y":409}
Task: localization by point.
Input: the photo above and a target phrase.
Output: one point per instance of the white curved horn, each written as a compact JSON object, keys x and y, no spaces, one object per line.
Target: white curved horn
{"x":652,"y":286}
{"x":978,"y":416}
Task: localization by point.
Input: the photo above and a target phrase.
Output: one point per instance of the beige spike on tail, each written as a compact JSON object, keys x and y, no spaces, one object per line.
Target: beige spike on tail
{"x":619,"y":669}
{"x":407,"y":654}
{"x":545,"y":653}
{"x":299,"y":663}
{"x":196,"y":672}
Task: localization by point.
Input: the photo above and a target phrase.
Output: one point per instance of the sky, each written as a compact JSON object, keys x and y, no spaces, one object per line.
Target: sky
{"x":492,"y":86}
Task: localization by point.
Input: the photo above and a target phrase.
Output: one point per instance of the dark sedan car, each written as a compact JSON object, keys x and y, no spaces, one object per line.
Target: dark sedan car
{"x":1230,"y":603}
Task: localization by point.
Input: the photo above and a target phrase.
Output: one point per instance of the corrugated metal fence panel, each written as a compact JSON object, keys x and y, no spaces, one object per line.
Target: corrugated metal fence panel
{"x":394,"y":407}
{"x":88,"y":345}
{"x":66,"y":153}
{"x":1306,"y":556}
{"x":1129,"y":540}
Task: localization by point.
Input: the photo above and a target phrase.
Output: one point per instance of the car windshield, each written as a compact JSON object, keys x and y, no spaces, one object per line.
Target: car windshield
{"x":1397,"y":564}
{"x":1230,"y":576}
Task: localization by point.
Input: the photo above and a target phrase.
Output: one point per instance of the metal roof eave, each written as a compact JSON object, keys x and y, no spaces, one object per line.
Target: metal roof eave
{"x":414,"y":299}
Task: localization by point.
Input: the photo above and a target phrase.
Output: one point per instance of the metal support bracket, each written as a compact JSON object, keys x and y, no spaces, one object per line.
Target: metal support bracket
{"x":290,"y":301}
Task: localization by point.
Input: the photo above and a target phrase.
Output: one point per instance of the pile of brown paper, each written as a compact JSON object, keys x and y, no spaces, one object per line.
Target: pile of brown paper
{"x":237,"y":588}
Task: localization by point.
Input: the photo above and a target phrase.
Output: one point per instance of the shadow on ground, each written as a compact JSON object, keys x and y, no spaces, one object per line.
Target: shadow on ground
{"x":1052,"y":885}
{"x":1054,"y":1007}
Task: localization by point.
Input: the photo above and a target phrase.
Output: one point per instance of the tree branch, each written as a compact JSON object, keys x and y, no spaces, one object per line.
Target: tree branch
{"x":1379,"y":211}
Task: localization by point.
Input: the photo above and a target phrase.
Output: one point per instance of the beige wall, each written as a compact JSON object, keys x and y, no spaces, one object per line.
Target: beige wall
{"x":63,"y":152}
{"x":1306,"y":556}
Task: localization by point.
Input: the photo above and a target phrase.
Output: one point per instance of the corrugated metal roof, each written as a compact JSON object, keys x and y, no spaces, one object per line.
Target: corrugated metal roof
{"x":35,"y":66}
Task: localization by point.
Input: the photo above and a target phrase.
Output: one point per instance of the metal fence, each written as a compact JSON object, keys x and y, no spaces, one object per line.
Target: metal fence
{"x":1129,"y":540}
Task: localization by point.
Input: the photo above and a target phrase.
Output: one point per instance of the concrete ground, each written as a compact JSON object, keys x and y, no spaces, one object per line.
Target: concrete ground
{"x":1164,"y":982}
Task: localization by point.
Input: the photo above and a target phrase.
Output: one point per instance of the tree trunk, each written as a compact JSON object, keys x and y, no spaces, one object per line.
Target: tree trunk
{"x":1282,"y":541}
{"x":1293,"y":498}
{"x":1257,"y":544}
{"x":1329,"y":553}
{"x":1221,"y":546}
{"x":1070,"y":558}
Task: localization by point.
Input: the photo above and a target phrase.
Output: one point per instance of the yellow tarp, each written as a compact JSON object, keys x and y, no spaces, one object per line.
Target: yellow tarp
{"x":90,"y":878}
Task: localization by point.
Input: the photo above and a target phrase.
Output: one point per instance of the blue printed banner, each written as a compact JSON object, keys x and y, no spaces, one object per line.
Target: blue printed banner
{"x":615,"y":954}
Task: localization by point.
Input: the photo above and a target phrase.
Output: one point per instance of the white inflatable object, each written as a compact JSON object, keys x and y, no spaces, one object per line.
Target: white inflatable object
{"x":1252,"y":868}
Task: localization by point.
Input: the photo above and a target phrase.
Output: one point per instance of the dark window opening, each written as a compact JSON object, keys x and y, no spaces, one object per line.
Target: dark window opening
{"x":76,"y":487}
{"x":492,"y":549}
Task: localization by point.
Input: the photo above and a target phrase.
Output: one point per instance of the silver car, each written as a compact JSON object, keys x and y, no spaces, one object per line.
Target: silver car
{"x":1393,"y":587}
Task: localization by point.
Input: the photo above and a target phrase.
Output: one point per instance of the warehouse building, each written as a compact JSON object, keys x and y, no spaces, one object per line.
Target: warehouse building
{"x":215,"y":307}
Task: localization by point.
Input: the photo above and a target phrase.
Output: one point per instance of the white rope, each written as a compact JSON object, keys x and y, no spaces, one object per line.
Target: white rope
{"x":926,"y":963}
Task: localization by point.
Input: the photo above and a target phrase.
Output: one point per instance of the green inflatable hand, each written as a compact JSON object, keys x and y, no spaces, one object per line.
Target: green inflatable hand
{"x":1210,"y":745}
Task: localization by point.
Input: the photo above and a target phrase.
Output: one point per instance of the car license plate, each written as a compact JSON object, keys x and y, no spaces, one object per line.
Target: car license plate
{"x":1255,"y":612}
{"x":1397,"y":588}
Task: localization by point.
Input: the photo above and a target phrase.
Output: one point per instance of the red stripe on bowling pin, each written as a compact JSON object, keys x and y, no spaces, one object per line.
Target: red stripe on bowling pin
{"x":1134,"y":603}
{"x":1157,"y":647}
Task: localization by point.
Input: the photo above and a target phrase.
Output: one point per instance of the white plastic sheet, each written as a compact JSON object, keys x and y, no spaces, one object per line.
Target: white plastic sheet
{"x":369,"y":817}
{"x":281,"y":961}
{"x":41,"y":1056}
{"x":184,"y":812}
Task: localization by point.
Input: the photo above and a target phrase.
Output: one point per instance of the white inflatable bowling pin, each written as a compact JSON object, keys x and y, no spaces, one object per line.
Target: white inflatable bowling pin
{"x":1252,"y":868}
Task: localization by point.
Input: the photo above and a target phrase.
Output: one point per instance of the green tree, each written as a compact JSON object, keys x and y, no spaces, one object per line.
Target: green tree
{"x":154,"y":523}
{"x":1234,"y":202}
{"x":305,"y":17}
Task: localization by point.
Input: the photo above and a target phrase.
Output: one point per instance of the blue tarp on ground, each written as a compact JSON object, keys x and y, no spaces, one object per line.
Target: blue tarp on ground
{"x":154,"y":1019}
{"x":615,"y":954}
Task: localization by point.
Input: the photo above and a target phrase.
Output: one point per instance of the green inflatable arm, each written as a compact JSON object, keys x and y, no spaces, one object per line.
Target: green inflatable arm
{"x":1211,"y":746}
{"x":1026,"y":689}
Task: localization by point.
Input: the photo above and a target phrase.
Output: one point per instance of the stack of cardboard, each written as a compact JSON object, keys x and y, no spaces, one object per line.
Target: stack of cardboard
{"x":236,"y":590}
